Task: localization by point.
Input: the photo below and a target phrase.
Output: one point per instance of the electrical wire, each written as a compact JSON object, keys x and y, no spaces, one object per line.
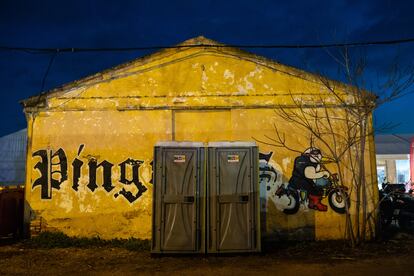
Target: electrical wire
{"x":257,"y":46}
{"x":52,"y":58}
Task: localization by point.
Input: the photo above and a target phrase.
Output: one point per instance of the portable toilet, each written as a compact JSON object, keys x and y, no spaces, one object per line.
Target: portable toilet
{"x":233,"y":197}
{"x":205,"y":201}
{"x":178,"y":198}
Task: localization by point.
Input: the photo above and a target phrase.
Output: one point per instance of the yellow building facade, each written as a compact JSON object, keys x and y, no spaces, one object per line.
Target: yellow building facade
{"x":91,"y":142}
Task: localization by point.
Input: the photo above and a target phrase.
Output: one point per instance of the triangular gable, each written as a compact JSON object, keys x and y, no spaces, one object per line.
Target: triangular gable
{"x":189,"y":72}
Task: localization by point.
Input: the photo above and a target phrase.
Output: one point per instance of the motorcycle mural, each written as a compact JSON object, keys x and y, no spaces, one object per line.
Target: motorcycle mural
{"x":309,"y":184}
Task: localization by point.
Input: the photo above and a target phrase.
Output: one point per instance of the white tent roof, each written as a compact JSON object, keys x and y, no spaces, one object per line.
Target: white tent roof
{"x":393,"y":143}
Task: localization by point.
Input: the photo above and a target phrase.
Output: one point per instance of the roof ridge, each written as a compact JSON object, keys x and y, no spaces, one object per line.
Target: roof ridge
{"x":200,"y":40}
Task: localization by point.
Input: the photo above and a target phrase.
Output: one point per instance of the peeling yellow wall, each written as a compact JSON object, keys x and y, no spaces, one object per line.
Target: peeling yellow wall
{"x":106,"y":135}
{"x":188,"y":94}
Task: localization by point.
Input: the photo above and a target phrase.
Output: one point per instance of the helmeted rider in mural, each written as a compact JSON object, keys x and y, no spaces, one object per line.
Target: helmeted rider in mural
{"x":308,"y":176}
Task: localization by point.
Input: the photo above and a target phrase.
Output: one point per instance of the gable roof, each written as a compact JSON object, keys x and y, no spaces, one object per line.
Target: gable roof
{"x":198,"y":42}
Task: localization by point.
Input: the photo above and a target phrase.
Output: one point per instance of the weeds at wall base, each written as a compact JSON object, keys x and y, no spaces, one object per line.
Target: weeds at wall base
{"x":60,"y":240}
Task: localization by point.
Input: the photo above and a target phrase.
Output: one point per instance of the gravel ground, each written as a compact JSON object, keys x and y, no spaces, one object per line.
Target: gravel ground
{"x":392,"y":257}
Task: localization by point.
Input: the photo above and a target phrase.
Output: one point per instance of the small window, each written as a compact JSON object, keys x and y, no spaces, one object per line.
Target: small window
{"x":403,"y":170}
{"x":381,"y":174}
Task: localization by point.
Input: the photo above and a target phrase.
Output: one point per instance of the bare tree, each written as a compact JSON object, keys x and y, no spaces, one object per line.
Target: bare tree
{"x":340,"y":123}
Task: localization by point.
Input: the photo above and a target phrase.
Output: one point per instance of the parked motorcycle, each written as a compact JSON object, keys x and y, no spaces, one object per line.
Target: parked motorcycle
{"x":337,"y":196}
{"x":396,"y":206}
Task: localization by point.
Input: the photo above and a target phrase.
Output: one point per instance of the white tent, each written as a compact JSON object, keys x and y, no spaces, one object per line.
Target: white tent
{"x":393,"y":143}
{"x":393,"y":158}
{"x":13,"y":158}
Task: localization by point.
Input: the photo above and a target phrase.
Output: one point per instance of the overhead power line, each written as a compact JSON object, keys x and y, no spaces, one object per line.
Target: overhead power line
{"x":245,"y":46}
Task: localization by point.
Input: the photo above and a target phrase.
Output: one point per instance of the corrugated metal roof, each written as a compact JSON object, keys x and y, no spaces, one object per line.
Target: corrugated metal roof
{"x":393,"y":143}
{"x":13,"y":158}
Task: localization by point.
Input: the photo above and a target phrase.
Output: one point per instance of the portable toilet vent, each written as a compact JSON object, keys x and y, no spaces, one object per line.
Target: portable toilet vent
{"x":206,"y":201}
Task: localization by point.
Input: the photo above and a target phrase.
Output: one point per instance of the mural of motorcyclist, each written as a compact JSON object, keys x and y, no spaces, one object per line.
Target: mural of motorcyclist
{"x":308,"y":177}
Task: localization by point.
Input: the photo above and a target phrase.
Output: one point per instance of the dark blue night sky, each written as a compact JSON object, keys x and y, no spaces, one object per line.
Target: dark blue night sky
{"x":61,"y":24}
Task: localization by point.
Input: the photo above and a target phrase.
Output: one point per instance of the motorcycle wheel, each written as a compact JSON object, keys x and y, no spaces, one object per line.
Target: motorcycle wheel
{"x":405,"y":223}
{"x":337,"y":201}
{"x":294,"y":204}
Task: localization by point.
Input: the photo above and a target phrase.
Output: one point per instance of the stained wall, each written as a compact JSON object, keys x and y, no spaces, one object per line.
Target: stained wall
{"x":90,"y":143}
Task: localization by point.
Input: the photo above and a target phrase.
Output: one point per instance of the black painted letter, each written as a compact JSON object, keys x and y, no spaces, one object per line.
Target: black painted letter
{"x":134,"y":164}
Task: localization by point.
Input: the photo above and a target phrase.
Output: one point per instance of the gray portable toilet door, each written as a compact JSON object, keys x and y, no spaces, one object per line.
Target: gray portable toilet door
{"x":179,"y":204}
{"x":232,"y":209}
